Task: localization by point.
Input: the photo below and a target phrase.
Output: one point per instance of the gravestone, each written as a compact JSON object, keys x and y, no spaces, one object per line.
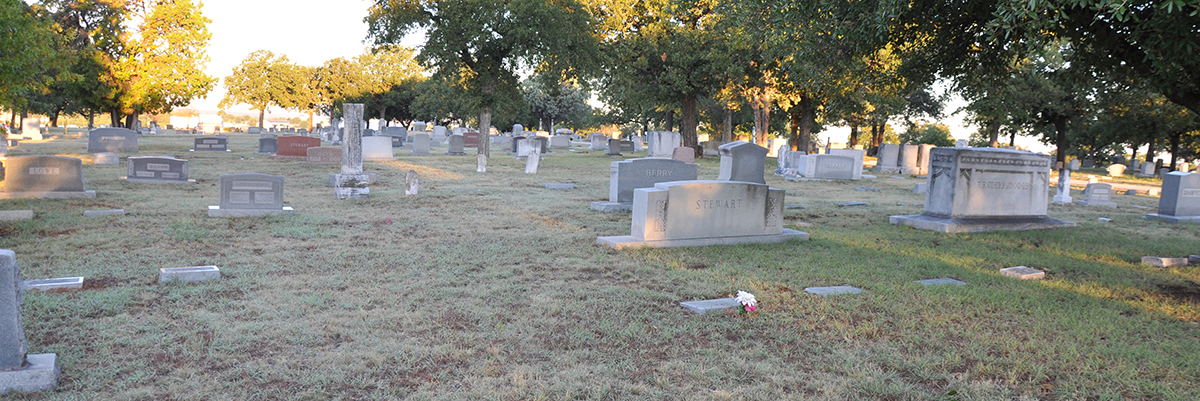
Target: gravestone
{"x":398,"y":134}
{"x":1089,"y":163}
{"x":19,"y":371}
{"x":628,"y":175}
{"x":543,"y":144}
{"x":295,"y":146}
{"x":455,"y":146}
{"x":1063,"y":197}
{"x":1180,"y":198}
{"x":1097,"y":194}
{"x":617,"y":146}
{"x":888,"y":156}
{"x":157,"y":170}
{"x":711,"y":148}
{"x":44,"y":177}
{"x":439,"y":135}
{"x":411,"y":183}
{"x":599,"y":141}
{"x":856,"y":166}
{"x":526,"y":145}
{"x":909,"y":155}
{"x":961,"y":143}
{"x":470,"y":139}
{"x":188,"y":274}
{"x":663,"y":143}
{"x":531,"y":160}
{"x":560,"y":142}
{"x":268,"y":144}
{"x":684,"y":154}
{"x":700,"y":213}
{"x":1074,"y":165}
{"x":1116,"y":170}
{"x":218,"y":143}
{"x":1023,"y":273}
{"x":821,"y":167}
{"x":985,"y":189}
{"x":517,"y":129}
{"x":351,"y":183}
{"x":1184,"y":167}
{"x":419,"y":126}
{"x":115,"y":140}
{"x":923,"y":158}
{"x":377,"y":148}
{"x":743,"y":161}
{"x":1147,"y":168}
{"x":324,"y":155}
{"x":420,"y":144}
{"x":250,"y":194}
{"x":31,"y":129}
{"x":251,"y":130}
{"x":106,"y":158}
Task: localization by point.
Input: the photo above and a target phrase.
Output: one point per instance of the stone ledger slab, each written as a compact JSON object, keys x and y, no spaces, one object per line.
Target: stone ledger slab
{"x":712,"y":305}
{"x":940,"y":281}
{"x":1023,"y":273}
{"x":835,"y":290}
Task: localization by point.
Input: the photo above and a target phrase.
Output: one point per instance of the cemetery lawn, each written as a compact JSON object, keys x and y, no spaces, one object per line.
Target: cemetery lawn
{"x":488,"y":286}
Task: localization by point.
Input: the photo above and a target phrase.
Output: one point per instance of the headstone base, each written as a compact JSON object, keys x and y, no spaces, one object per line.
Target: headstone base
{"x":155,"y":181}
{"x":1061,"y":200}
{"x":333,"y":179}
{"x":612,"y":207}
{"x":456,"y":154}
{"x":47,"y":195}
{"x":216,"y":211}
{"x":940,"y":281}
{"x":712,"y":305}
{"x":40,"y":373}
{"x":55,"y":284}
{"x":11,"y":215}
{"x":352,"y":186}
{"x":1096,"y":203}
{"x":378,"y":158}
{"x":1173,"y":219}
{"x":188,"y":274}
{"x":886,"y":170}
{"x":957,"y":226}
{"x":835,"y":290}
{"x":627,"y":241}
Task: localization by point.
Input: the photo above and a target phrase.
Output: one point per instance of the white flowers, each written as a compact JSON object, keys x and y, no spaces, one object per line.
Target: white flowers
{"x":749,"y":304}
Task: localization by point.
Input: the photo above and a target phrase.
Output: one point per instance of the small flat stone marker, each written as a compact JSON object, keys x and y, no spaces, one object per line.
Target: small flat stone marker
{"x":55,"y":284}
{"x":107,"y":212}
{"x":802,"y":224}
{"x":851,"y":204}
{"x":1164,"y":262}
{"x":1023,"y":273}
{"x":897,"y":177}
{"x":1139,"y":207}
{"x":827,"y":291}
{"x":555,"y":185}
{"x":868,"y":177}
{"x":1104,"y":219}
{"x":12,"y":215}
{"x":1194,"y":260}
{"x":940,"y":281}
{"x":411,"y":183}
{"x":870,"y":189}
{"x":921,"y":187}
{"x":793,"y":207}
{"x":702,"y":307}
{"x":188,"y":274}
{"x":1131,"y":192}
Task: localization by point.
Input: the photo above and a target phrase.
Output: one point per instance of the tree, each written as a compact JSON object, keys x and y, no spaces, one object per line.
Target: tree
{"x":159,"y":62}
{"x":933,"y":134}
{"x":550,"y":101}
{"x":26,"y":45}
{"x":479,"y":44}
{"x":263,"y":80}
{"x":386,"y":69}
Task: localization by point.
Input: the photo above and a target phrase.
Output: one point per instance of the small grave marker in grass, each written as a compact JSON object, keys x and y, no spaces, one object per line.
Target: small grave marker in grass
{"x":1163,"y":262}
{"x":188,"y":274}
{"x":710,"y":305}
{"x":835,"y":290}
{"x":108,"y":212}
{"x":940,"y":281}
{"x":870,"y":189}
{"x":63,"y":284}
{"x":11,"y":215}
{"x":1023,"y":273}
{"x":851,"y":204}
{"x":555,"y":185}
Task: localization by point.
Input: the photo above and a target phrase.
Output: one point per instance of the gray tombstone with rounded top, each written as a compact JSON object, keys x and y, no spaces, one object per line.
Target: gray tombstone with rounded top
{"x":909,"y":155}
{"x":743,"y":161}
{"x":628,"y":175}
{"x":115,"y":140}
{"x":985,"y":189}
{"x":44,"y":177}
{"x":1180,"y":198}
{"x":420,"y":143}
{"x":250,"y":194}
{"x":888,"y":156}
{"x":1097,"y":194}
{"x":455,"y":145}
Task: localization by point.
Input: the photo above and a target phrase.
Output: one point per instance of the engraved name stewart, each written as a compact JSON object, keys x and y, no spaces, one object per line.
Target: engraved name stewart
{"x":1190,"y":193}
{"x":707,"y":204}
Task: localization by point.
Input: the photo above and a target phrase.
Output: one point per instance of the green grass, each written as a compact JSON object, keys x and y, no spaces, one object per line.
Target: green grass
{"x":488,"y":286}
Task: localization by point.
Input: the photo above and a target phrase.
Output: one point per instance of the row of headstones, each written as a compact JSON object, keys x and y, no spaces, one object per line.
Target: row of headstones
{"x":903,"y":159}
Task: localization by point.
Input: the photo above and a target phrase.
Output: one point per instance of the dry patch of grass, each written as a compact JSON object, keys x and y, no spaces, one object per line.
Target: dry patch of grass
{"x":488,"y":286}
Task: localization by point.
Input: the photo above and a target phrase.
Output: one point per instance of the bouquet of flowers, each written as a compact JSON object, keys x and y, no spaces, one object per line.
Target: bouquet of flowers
{"x":749,"y":304}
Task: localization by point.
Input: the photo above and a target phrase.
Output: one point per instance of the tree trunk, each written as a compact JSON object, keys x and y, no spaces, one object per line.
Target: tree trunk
{"x":1150,"y":151}
{"x":877,"y":131}
{"x":485,"y":129}
{"x":794,"y":123}
{"x":1060,"y":126}
{"x":853,"y":135}
{"x":727,"y":131}
{"x":131,"y":121}
{"x":993,"y":130}
{"x":1012,"y":140}
{"x":91,"y":119}
{"x":1175,"y":148}
{"x":1133,"y":160}
{"x":803,"y":136}
{"x":54,"y":116}
{"x":311,"y":127}
{"x":263,"y":111}
{"x":671,"y":119}
{"x":691,"y":120}
{"x":114,"y":117}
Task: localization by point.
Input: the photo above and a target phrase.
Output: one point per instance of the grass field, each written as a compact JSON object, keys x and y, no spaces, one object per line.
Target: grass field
{"x":488,"y":286}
